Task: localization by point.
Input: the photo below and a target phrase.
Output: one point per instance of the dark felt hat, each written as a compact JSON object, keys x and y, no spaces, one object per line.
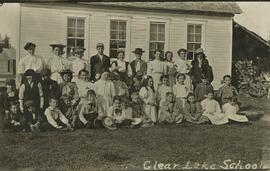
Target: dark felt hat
{"x":29,"y":45}
{"x":138,"y":51}
{"x":57,"y":44}
{"x":29,"y":72}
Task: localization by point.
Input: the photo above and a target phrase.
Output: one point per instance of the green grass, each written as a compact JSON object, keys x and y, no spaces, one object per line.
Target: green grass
{"x":130,"y":148}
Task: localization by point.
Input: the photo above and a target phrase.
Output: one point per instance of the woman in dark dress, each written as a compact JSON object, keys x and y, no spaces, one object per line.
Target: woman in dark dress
{"x":200,"y":66}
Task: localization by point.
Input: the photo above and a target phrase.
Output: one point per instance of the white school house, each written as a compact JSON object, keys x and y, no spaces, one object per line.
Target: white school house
{"x":128,"y":25}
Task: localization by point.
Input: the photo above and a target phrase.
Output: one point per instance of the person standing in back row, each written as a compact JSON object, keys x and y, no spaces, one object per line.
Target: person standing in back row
{"x":99,"y":62}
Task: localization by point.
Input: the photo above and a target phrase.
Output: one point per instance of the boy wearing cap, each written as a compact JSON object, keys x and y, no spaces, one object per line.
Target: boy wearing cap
{"x":31,"y":89}
{"x":77,"y":63}
{"x":57,"y":63}
{"x":99,"y":62}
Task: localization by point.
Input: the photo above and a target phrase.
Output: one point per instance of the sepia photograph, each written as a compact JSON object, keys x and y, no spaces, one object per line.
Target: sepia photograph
{"x":134,"y":85}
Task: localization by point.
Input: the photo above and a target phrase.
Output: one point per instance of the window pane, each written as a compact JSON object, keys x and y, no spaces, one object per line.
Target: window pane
{"x":161,"y":28}
{"x":189,"y":47}
{"x":153,"y":28}
{"x":153,"y":46}
{"x":197,"y":46}
{"x":190,"y":28}
{"x":122,"y":44}
{"x":80,"y":33}
{"x":153,"y":37}
{"x":114,"y":35}
{"x":71,"y":22}
{"x":80,"y":23}
{"x":70,"y":42}
{"x":122,"y":35}
{"x":198,"y":38}
{"x":113,"y":44}
{"x":160,"y":46}
{"x":122,"y":25}
{"x":71,"y":32}
{"x":161,"y":37}
{"x":114,"y":25}
{"x":198,"y":29}
{"x":113,"y":53}
{"x":190,"y":38}
{"x":80,"y":43}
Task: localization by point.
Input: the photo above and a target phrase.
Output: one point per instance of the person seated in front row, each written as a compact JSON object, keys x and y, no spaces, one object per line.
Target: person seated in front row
{"x":14,"y":120}
{"x":118,"y":116}
{"x":231,"y":108}
{"x":69,"y":110}
{"x":163,"y":89}
{"x":139,"y":118}
{"x":56,"y":120}
{"x":212,"y":111}
{"x":193,"y":111}
{"x":32,"y":117}
{"x":88,"y":112}
{"x":171,"y":111}
{"x":121,"y":88}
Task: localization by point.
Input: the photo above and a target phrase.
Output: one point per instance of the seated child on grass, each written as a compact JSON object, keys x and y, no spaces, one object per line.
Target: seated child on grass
{"x":68,"y":109}
{"x":231,"y":108}
{"x":32,"y":117}
{"x":139,"y":118}
{"x":193,"y":111}
{"x":227,"y":91}
{"x":202,"y":89}
{"x":14,"y":120}
{"x":88,"y":112}
{"x":171,"y":111}
{"x":118,"y":116}
{"x":56,"y":120}
{"x":212,"y":111}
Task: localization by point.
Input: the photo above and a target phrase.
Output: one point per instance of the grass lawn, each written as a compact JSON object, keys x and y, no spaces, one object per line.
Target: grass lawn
{"x":183,"y":145}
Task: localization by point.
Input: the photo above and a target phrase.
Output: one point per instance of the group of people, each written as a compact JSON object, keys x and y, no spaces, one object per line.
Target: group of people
{"x":109,"y":92}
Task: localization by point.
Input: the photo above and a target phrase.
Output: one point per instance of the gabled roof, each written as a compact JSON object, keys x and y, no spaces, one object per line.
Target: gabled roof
{"x":212,"y":7}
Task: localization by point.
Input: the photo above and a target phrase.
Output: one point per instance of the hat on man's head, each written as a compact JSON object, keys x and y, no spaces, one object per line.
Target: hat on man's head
{"x":77,"y":50}
{"x":29,"y":45}
{"x":138,"y":51}
{"x":29,"y":72}
{"x":199,"y":50}
{"x":45,"y":72}
{"x":100,"y":45}
{"x":29,"y":103}
{"x":57,"y":44}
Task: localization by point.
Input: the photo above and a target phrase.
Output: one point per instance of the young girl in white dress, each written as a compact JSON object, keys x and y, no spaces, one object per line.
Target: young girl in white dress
{"x":83,"y":84}
{"x":180,"y":89}
{"x":163,"y":89}
{"x":147,"y":93}
{"x":105,"y":91}
{"x":156,"y":68}
{"x":231,"y":108}
{"x":212,"y":111}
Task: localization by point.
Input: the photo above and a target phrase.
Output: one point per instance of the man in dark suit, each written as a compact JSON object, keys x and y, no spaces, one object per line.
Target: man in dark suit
{"x":138,"y":66}
{"x":99,"y":62}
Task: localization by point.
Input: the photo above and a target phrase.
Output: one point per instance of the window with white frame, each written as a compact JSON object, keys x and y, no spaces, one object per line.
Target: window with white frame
{"x":75,"y":33}
{"x":118,"y":36}
{"x":157,"y":38}
{"x":194,"y":39}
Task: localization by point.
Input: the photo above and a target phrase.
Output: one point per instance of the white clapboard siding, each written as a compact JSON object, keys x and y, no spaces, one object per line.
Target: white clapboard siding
{"x":43,"y":25}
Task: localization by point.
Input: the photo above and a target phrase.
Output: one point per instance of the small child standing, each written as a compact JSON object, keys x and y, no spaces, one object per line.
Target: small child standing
{"x":211,"y":110}
{"x":171,"y":111}
{"x":202,"y":89}
{"x":147,"y":93}
{"x":227,"y":91}
{"x":118,"y":115}
{"x":88,"y":112}
{"x":56,"y":119}
{"x":163,"y":89}
{"x":14,"y":120}
{"x":180,"y":90}
{"x":231,"y":108}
